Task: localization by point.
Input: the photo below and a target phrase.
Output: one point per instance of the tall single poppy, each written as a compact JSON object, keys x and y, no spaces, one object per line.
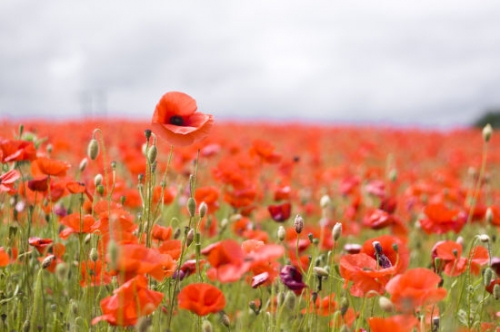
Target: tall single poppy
{"x":175,"y":119}
{"x":201,"y":299}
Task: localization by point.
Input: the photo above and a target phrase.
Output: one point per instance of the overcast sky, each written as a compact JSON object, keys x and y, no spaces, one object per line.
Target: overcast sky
{"x":430,"y":63}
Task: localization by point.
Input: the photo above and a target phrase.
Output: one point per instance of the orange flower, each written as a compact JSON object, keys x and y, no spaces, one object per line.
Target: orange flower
{"x":76,"y":224}
{"x":16,"y":150}
{"x":415,"y":288}
{"x":452,"y":263}
{"x":129,"y":302}
{"x":201,"y":299}
{"x":175,"y":119}
{"x":48,"y":166}
{"x":400,"y":323}
{"x":4,"y":257}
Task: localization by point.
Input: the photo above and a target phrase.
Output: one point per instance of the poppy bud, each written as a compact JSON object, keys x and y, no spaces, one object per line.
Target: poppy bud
{"x":435,"y":323}
{"x":223,"y":224}
{"x":393,"y":175}
{"x":484,"y":238}
{"x":94,"y":255}
{"x":113,"y":253}
{"x":202,"y":209}
{"x":325,"y":201}
{"x":49,"y":148}
{"x":83,"y":164}
{"x":73,"y":305}
{"x":191,"y":205}
{"x":206,"y":326}
{"x":385,"y":304}
{"x":93,"y":149}
{"x":344,"y":305}
{"x":152,"y":153}
{"x":143,"y":324}
{"x":100,"y":189}
{"x":320,"y":272}
{"x":62,"y":270}
{"x":290,"y":301}
{"x":147,"y":133}
{"x":299,"y":224}
{"x":310,"y":236}
{"x":177,"y":233}
{"x":235,"y":217}
{"x":47,"y":261}
{"x":487,"y":131}
{"x":225,"y":319}
{"x":337,"y":231}
{"x":281,"y":233}
{"x":253,"y":306}
{"x":460,"y":241}
{"x":489,"y":215}
{"x":487,"y":276}
{"x":98,"y":180}
{"x":496,"y":292}
{"x":190,"y":237}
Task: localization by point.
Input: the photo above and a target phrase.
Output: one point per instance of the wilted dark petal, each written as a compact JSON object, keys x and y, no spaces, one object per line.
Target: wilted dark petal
{"x":292,"y":278}
{"x":259,"y":279}
{"x":495,"y":265}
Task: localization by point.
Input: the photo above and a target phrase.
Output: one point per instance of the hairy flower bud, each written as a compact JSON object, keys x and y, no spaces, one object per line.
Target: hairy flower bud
{"x":299,"y":224}
{"x":281,"y":233}
{"x":93,"y":149}
{"x":83,"y":164}
{"x":191,"y":205}
{"x":152,"y":153}
{"x":385,"y":304}
{"x":487,"y":132}
{"x":337,"y":231}
{"x":47,"y":261}
{"x":202,"y":209}
{"x":93,"y":255}
{"x":325,"y":201}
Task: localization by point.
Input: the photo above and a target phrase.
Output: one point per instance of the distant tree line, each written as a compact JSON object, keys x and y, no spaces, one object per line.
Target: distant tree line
{"x":492,"y":117}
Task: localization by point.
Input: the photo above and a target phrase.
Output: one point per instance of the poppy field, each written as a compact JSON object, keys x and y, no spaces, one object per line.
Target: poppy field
{"x":187,"y":223}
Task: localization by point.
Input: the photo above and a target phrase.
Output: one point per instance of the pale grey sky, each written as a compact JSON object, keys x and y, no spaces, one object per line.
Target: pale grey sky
{"x":431,"y":63}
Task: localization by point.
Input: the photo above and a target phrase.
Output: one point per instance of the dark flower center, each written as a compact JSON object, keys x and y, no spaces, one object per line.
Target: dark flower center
{"x":176,"y":120}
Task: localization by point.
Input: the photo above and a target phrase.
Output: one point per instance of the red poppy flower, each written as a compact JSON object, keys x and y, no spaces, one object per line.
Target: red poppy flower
{"x":4,"y":257}
{"x":175,"y":119}
{"x":281,"y":212}
{"x":41,"y":245}
{"x":452,"y":262}
{"x":7,"y":181}
{"x":400,"y":323}
{"x":46,"y":166}
{"x":209,"y":195}
{"x":201,"y":299}
{"x":130,"y":301}
{"x":76,"y":224}
{"x":415,"y":288}
{"x":440,"y":219}
{"x":15,"y":150}
{"x":399,"y":258}
{"x":227,"y":259}
{"x":136,"y":259}
{"x":94,"y":274}
{"x":365,"y":273}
